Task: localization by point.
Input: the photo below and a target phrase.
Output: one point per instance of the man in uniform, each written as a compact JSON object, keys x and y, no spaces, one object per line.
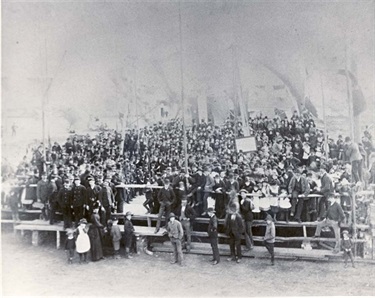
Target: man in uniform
{"x":79,"y":200}
{"x":92,"y":192}
{"x":64,"y":199}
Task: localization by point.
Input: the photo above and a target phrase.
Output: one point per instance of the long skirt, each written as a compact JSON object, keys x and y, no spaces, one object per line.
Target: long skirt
{"x":96,"y":242}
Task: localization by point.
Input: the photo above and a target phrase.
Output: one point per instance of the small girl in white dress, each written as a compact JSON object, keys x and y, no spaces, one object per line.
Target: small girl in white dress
{"x":83,"y":240}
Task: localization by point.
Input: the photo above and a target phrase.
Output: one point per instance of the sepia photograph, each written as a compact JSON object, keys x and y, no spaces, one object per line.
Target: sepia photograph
{"x":186,"y":148}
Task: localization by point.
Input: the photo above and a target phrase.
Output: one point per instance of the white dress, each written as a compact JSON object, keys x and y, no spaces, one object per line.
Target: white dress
{"x":83,"y":240}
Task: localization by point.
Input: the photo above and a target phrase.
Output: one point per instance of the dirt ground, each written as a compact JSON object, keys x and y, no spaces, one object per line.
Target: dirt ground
{"x":43,"y":271}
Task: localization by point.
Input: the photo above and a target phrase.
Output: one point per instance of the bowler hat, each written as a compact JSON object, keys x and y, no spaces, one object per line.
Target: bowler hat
{"x":210,"y":210}
{"x":128,"y":213}
{"x":172,"y":215}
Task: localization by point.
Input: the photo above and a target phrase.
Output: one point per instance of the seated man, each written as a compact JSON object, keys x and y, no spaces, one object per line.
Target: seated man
{"x":333,"y":216}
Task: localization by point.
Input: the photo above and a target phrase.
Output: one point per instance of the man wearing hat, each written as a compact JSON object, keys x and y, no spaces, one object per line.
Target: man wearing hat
{"x":333,"y":216}
{"x":269,"y":237}
{"x":175,"y":233}
{"x":166,"y":197}
{"x":213,"y":235}
{"x":128,"y":234}
{"x":234,"y":228}
{"x":64,"y":199}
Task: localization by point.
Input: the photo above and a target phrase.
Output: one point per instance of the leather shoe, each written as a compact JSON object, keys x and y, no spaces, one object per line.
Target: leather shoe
{"x":231,"y":259}
{"x":215,"y":262}
{"x":238,"y":261}
{"x":173,"y":262}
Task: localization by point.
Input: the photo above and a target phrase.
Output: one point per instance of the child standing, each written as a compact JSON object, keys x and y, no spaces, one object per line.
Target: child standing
{"x":83,"y":241}
{"x":128,"y":234}
{"x":347,"y":247}
{"x":269,"y":237}
{"x":70,"y":245}
{"x":116,"y":237}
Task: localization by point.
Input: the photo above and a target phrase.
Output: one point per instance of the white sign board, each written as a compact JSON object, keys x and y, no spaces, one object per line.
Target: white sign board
{"x":247,"y":144}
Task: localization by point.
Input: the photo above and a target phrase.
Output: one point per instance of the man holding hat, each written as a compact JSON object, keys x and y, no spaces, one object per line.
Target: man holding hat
{"x":333,"y":216}
{"x":212,"y":234}
{"x":269,"y":237}
{"x":175,"y":233}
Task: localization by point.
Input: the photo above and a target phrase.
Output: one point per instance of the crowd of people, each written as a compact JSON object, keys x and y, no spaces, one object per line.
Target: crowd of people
{"x":289,"y":177}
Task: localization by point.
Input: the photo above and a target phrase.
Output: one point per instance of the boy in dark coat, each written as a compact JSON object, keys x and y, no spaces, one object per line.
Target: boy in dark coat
{"x":128,"y":234}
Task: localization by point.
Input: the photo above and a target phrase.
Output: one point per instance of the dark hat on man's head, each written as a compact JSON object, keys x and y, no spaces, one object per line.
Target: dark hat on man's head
{"x":128,"y":213}
{"x":210,"y":210}
{"x":172,"y":215}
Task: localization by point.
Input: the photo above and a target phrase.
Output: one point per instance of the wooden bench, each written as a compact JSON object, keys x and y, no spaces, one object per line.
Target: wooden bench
{"x":39,"y":226}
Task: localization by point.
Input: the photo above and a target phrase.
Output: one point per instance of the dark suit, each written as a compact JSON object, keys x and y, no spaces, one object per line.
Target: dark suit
{"x":234,"y":229}
{"x":297,"y":188}
{"x":326,"y":189}
{"x":79,"y":202}
{"x":64,"y":199}
{"x":212,"y":234}
{"x":106,"y":198}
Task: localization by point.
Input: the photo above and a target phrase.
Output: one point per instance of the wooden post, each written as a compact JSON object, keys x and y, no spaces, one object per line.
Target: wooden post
{"x":35,"y":238}
{"x":354,"y":222}
{"x":57,"y":239}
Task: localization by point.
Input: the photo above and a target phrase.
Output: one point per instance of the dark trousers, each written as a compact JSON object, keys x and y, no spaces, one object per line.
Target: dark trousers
{"x":235,"y":246}
{"x":163,"y":208}
{"x":348,"y":254}
{"x":67,"y":216}
{"x":299,"y":203}
{"x":322,"y":207}
{"x":270,"y":248}
{"x":249,"y":234}
{"x":52,"y":212}
{"x":187,"y":233}
{"x":78,"y":214}
{"x":105,"y":215}
{"x":215,"y":248}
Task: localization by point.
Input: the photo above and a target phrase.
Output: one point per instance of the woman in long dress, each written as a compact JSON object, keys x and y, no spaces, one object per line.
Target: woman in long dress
{"x":83,"y":240}
{"x":95,"y":234}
